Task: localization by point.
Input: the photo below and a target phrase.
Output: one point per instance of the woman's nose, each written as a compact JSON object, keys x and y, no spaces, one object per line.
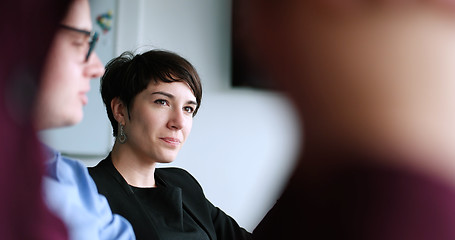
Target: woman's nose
{"x":176,"y":120}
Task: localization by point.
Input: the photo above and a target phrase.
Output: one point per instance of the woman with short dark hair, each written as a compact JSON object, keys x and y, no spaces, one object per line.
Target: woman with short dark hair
{"x":151,"y":99}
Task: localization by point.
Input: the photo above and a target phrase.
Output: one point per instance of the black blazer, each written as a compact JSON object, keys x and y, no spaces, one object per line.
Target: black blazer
{"x":124,"y":202}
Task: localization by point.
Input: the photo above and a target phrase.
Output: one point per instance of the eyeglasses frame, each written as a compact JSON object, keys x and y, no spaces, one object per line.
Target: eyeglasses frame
{"x":93,"y":37}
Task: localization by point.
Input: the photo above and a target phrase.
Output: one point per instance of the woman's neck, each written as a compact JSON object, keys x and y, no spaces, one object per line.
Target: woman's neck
{"x":137,"y":170}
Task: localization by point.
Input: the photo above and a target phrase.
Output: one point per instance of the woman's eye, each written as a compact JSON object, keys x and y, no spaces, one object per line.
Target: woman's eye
{"x":161,"y":102}
{"x":188,"y":109}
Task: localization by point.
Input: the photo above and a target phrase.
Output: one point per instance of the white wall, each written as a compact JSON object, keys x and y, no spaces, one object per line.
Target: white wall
{"x":243,"y":142}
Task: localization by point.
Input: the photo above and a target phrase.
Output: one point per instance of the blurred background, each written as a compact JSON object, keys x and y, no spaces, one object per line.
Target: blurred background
{"x":245,"y":136}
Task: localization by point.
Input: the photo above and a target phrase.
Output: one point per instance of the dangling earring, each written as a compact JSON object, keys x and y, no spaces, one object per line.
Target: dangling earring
{"x":122,"y":136}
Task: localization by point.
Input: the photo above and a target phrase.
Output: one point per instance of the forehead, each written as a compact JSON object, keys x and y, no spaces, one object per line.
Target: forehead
{"x":78,"y":15}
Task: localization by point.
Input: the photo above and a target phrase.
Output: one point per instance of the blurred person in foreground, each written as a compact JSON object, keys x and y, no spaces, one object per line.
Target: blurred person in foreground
{"x":374,"y":85}
{"x":26,"y":30}
{"x":69,"y":191}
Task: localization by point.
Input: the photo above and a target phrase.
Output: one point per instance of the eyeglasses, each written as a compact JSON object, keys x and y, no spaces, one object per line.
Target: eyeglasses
{"x":93,"y":38}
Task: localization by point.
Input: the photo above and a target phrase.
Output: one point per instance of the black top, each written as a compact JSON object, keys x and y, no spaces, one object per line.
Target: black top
{"x":164,"y":207}
{"x":176,"y":209}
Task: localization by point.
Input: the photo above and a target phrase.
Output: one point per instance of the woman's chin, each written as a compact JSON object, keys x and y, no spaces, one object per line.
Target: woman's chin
{"x":166,"y":160}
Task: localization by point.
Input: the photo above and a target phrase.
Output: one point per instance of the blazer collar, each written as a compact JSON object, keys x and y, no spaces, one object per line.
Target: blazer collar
{"x":107,"y":163}
{"x":109,"y":166}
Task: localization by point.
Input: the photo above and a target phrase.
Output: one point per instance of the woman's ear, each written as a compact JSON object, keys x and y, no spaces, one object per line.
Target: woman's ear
{"x":119,"y":110}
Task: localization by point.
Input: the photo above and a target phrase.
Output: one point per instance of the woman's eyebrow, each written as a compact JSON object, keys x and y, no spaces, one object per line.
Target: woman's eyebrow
{"x":163,"y":93}
{"x":191,"y":102}
{"x":172,"y":97}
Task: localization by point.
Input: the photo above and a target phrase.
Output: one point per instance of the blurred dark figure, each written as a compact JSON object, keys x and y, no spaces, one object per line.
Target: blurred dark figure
{"x":26,"y":29}
{"x":374,"y":84}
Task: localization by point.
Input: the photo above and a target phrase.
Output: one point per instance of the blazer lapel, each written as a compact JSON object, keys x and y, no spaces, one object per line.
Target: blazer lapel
{"x":196,"y":208}
{"x":109,"y":167}
{"x":118,"y":177}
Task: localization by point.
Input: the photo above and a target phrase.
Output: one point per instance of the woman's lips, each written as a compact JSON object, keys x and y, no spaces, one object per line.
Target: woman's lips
{"x":171,"y":141}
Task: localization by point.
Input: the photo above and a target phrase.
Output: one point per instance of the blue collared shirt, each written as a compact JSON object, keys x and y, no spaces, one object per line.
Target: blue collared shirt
{"x":71,"y":194}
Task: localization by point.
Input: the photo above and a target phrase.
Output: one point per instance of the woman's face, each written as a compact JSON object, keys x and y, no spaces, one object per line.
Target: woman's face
{"x":160,"y":120}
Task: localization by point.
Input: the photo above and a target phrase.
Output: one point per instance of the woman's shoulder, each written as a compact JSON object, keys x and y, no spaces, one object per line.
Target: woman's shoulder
{"x":100,"y":167}
{"x":104,"y":173}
